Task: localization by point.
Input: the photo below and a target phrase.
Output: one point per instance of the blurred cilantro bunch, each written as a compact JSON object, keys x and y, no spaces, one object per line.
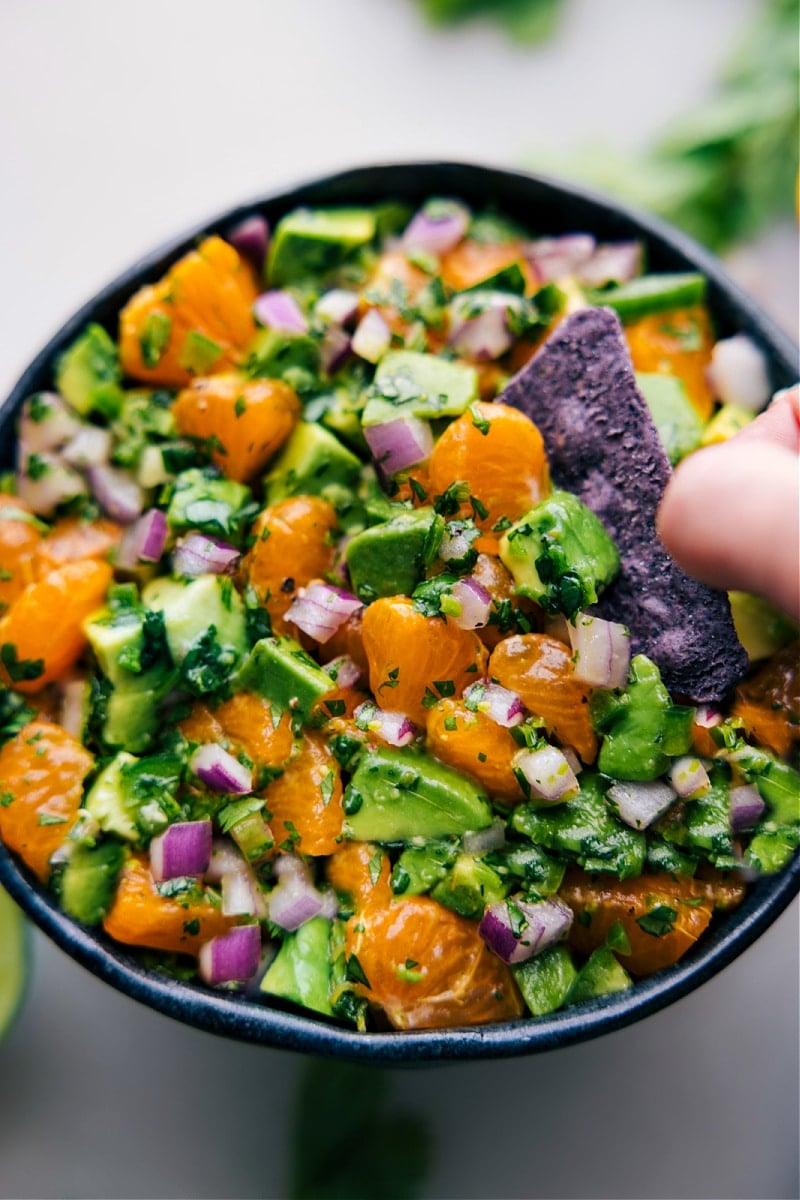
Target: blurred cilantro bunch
{"x":526,"y":21}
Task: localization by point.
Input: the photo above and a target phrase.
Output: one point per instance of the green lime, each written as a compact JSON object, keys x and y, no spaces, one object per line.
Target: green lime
{"x":13,"y":959}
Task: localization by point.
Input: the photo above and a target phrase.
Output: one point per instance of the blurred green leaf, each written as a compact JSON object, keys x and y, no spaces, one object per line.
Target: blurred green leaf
{"x":347,"y":1143}
{"x":525,"y":21}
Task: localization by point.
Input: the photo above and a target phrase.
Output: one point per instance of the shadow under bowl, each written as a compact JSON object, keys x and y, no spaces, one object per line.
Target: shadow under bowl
{"x":548,"y":207}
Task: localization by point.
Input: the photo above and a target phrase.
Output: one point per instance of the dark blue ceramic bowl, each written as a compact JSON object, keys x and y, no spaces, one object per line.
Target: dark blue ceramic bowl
{"x":547,"y":207}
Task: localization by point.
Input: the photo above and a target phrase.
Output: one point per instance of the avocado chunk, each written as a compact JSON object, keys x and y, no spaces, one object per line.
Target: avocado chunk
{"x":420,"y":868}
{"x":300,"y":972}
{"x":117,"y":639}
{"x":469,"y":886}
{"x":772,"y":849}
{"x":560,"y":555}
{"x":312,"y":242}
{"x":640,"y":726}
{"x":202,"y":499}
{"x":194,"y":608}
{"x":312,"y":462}
{"x":411,"y":384}
{"x":585,"y":829}
{"x":531,"y":865}
{"x":546,"y":979}
{"x":279,"y":669}
{"x":132,"y":709}
{"x":292,"y":357}
{"x":88,"y":374}
{"x":600,"y":975}
{"x":651,"y":294}
{"x":389,"y":559}
{"x":134,"y":798}
{"x":678,"y":422}
{"x":87,"y":882}
{"x":403,"y":795}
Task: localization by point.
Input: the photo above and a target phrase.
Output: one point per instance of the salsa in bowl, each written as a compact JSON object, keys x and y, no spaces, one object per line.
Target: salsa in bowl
{"x":350,"y":702}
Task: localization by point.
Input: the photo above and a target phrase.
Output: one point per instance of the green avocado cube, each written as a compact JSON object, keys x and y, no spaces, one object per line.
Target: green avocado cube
{"x":312,"y":462}
{"x":635,"y":724}
{"x":601,"y":975}
{"x":404,"y":795}
{"x":469,"y":886}
{"x":546,"y":979}
{"x":192,"y":607}
{"x":87,"y":882}
{"x":420,"y":868}
{"x":280,"y":670}
{"x":389,"y":559}
{"x":301,"y":971}
{"x":678,"y":422}
{"x":411,"y":384}
{"x":292,"y":357}
{"x":88,"y":374}
{"x":560,"y":555}
{"x":313,"y":242}
{"x":207,"y":502}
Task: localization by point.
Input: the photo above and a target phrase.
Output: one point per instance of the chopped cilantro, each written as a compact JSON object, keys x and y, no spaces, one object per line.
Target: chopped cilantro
{"x":20,"y":669}
{"x":659,"y":921}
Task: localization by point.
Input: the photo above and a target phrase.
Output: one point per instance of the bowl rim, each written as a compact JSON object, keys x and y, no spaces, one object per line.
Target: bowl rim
{"x":246,"y":1019}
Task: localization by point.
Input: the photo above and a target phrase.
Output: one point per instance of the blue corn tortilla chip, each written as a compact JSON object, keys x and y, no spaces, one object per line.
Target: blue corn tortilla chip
{"x":602,"y":444}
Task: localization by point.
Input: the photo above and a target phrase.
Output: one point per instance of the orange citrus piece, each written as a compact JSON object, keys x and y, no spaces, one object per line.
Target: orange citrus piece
{"x":470,"y":262}
{"x":361,"y":872}
{"x":247,"y":420}
{"x":244,"y":723}
{"x":42,"y":770}
{"x":305,"y":802}
{"x":678,"y":343}
{"x":196,"y":319}
{"x":19,"y":539}
{"x":74,"y":540}
{"x":476,"y":745}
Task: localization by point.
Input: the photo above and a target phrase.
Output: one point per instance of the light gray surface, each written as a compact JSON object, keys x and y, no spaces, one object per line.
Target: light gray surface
{"x":121,"y":124}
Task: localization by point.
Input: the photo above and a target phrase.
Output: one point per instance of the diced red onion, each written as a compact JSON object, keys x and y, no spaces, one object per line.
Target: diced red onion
{"x":640,"y":804}
{"x":241,"y":895}
{"x":198,"y":554}
{"x":602,"y":651}
{"x":57,"y":484}
{"x":144,"y":541}
{"x":613,"y":262}
{"x":337,"y":307}
{"x":436,"y":234}
{"x":503,"y":706}
{"x":344,"y":672}
{"x":483,"y":336}
{"x":738,"y":373}
{"x":295,"y":900}
{"x":747,"y":807}
{"x":549,"y":775}
{"x":233,"y":957}
{"x":372,"y":337}
{"x":321,"y":609}
{"x":398,"y":444}
{"x":225,"y":858}
{"x":707,"y":716}
{"x":394,"y":728}
{"x":572,"y":758}
{"x":56,"y":426}
{"x":117,"y":492}
{"x":688,"y":776}
{"x":457,"y":541}
{"x":279,"y":310}
{"x":151,"y":471}
{"x":546,"y":922}
{"x":71,"y":708}
{"x":182,"y":849}
{"x":334,"y":349}
{"x":475,"y":601}
{"x":251,"y":238}
{"x":90,"y":447}
{"x":555,"y":257}
{"x":220,"y":771}
{"x":482,"y":841}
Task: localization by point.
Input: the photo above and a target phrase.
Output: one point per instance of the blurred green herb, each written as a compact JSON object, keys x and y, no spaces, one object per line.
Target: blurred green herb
{"x":729,"y":167}
{"x":347,"y":1143}
{"x":525,"y":21}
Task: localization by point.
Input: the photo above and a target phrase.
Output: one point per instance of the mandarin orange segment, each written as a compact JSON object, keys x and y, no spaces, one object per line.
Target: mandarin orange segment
{"x":74,"y":540}
{"x":201,"y":311}
{"x":244,"y":723}
{"x":42,"y":770}
{"x":246,"y":420}
{"x":361,"y":872}
{"x":293,"y":543}
{"x":141,"y":916}
{"x":540,"y":669}
{"x":413,"y":660}
{"x":305,"y":802}
{"x":427,"y":968}
{"x":474,"y":744}
{"x":41,"y":635}
{"x":500,"y":453}
{"x":19,"y":540}
{"x":470,"y":262}
{"x":769,"y":702}
{"x":600,"y":903}
{"x":678,"y":343}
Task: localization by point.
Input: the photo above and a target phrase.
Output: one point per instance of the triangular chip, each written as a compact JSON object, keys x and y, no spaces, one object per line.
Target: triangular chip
{"x":603,"y":446}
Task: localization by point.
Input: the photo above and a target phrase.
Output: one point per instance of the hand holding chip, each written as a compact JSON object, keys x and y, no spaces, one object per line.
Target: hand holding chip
{"x":731,"y":513}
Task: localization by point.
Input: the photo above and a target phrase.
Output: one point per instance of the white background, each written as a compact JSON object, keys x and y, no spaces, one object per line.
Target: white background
{"x":122,"y":123}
